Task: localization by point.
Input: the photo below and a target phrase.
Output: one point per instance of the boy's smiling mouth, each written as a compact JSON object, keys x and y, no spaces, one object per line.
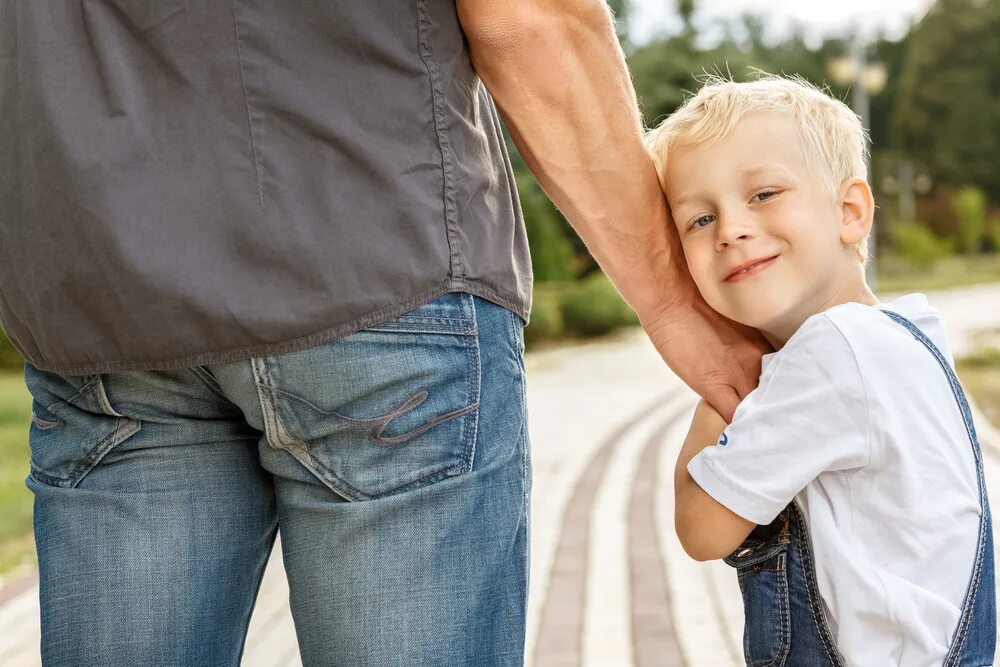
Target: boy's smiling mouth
{"x":747,"y":269}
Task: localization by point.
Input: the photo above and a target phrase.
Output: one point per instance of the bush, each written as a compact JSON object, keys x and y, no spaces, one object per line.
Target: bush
{"x":10,"y":359}
{"x":970,"y":208}
{"x":546,"y":318}
{"x":594,"y":307}
{"x":920,"y":245}
{"x":552,"y":257}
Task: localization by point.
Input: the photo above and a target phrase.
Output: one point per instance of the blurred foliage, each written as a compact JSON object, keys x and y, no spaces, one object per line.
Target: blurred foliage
{"x":9,"y":357}
{"x":546,"y":317}
{"x":948,"y":108}
{"x":970,"y":207}
{"x":896,"y":273}
{"x":587,"y":307}
{"x":920,"y":245}
{"x":552,"y":252}
{"x":594,"y":307}
{"x":980,"y":376}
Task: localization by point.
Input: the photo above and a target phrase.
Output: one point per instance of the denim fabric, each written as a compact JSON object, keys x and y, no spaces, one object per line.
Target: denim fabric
{"x":395,"y":463}
{"x":784,"y":619}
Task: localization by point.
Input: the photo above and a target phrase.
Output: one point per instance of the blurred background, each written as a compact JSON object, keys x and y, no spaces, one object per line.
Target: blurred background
{"x":924,"y":77}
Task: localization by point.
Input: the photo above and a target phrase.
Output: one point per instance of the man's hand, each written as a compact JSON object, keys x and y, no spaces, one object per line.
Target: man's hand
{"x":717,"y":357}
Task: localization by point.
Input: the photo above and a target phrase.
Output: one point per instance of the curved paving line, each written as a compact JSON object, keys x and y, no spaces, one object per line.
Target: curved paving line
{"x":560,"y":632}
{"x":654,"y":633}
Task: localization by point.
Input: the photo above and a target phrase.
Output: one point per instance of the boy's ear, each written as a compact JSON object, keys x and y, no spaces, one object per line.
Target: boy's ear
{"x":857,"y":208}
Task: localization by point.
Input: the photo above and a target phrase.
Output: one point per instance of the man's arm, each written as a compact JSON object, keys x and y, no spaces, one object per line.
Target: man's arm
{"x":558,"y":76}
{"x":707,"y":529}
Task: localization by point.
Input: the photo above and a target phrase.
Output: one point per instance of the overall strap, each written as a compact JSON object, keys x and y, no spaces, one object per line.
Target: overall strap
{"x":984,"y":518}
{"x":956,"y":387}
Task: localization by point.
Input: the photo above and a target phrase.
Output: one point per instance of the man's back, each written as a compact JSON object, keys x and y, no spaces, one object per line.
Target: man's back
{"x":198,"y":182}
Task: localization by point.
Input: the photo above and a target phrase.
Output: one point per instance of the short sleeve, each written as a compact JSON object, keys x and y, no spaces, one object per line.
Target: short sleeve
{"x":809,"y":415}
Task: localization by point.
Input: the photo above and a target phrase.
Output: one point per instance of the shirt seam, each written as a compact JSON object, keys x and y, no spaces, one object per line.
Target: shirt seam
{"x":457,"y":268}
{"x":246,"y":100}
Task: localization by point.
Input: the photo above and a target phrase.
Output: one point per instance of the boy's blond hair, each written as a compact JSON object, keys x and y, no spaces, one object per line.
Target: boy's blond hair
{"x":835,"y":145}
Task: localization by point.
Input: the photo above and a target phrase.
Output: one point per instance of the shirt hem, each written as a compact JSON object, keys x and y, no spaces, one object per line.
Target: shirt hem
{"x":725,"y":493}
{"x":231,"y":355}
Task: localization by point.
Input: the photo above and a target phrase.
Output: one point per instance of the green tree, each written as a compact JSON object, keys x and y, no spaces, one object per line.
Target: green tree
{"x":948,"y":111}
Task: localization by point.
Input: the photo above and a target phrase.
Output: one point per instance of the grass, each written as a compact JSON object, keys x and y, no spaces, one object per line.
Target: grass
{"x":896,"y":274}
{"x":980,"y":375}
{"x":16,"y":545}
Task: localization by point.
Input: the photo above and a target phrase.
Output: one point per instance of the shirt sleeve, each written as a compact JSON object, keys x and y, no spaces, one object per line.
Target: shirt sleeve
{"x":809,"y":415}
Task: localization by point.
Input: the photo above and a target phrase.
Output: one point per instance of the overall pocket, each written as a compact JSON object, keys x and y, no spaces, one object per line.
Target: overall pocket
{"x":73,"y":426}
{"x":761,"y":569}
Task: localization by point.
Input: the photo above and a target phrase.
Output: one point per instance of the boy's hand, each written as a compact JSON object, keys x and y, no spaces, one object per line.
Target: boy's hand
{"x":718,"y":358}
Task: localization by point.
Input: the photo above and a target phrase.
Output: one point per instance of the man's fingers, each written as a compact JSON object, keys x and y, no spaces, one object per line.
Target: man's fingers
{"x":724,"y":399}
{"x":744,"y":385}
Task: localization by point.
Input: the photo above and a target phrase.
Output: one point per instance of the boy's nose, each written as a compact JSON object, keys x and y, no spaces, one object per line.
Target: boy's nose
{"x":732,"y":231}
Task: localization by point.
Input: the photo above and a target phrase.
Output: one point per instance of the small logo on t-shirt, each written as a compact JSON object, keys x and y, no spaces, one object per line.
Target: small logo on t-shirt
{"x":723,"y":440}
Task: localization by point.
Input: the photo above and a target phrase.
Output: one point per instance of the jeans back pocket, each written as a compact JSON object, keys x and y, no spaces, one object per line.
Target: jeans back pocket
{"x":73,"y":427}
{"x":388,"y":409}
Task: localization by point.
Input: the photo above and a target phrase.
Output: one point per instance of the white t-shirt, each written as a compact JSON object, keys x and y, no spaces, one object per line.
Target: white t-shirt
{"x":855,"y":420}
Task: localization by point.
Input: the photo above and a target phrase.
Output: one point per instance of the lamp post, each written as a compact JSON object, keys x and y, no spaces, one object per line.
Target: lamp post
{"x":866,"y":79}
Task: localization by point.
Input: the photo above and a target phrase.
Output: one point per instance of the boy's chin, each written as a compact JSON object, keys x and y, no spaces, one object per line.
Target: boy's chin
{"x":758,"y":316}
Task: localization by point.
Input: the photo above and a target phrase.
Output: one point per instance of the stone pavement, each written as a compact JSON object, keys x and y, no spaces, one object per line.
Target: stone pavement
{"x":610,"y":584}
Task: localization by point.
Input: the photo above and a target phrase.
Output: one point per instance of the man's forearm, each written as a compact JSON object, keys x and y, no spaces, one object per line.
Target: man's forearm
{"x":558,"y":76}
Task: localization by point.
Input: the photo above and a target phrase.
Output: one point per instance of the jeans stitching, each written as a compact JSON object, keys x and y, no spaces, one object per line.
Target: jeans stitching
{"x":328,"y":476}
{"x":208,"y":380}
{"x":812,"y":591}
{"x":96,"y":454}
{"x":785,"y":613}
{"x":474,"y":361}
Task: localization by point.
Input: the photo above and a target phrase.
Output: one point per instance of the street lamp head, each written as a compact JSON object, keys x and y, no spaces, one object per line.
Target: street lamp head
{"x":841,"y":69}
{"x":875,"y":77}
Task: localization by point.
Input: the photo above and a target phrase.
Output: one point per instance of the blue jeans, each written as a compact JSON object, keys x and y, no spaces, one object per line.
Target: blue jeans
{"x":395,"y":462}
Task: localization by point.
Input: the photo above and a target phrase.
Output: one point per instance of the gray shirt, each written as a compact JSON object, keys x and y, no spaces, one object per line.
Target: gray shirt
{"x":188,"y":182}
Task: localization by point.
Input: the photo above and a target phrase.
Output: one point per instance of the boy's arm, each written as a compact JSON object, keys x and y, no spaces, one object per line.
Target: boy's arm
{"x":707,"y":529}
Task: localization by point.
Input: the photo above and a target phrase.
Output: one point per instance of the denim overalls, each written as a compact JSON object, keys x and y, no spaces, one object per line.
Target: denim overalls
{"x":785,"y":624}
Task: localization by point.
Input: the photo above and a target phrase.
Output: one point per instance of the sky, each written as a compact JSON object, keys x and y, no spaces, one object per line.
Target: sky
{"x":649,"y":18}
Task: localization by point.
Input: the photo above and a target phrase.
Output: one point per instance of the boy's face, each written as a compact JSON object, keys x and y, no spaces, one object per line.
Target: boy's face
{"x":750,"y":196}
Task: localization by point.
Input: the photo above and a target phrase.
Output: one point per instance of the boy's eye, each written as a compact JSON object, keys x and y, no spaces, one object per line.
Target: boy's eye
{"x":695,"y":225}
{"x":767,"y":194}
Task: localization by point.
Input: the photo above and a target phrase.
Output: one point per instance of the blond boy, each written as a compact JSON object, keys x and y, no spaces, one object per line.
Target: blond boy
{"x":848,"y":488}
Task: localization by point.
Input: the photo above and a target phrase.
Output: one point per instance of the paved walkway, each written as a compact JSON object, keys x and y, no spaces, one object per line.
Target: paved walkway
{"x":610,"y":584}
